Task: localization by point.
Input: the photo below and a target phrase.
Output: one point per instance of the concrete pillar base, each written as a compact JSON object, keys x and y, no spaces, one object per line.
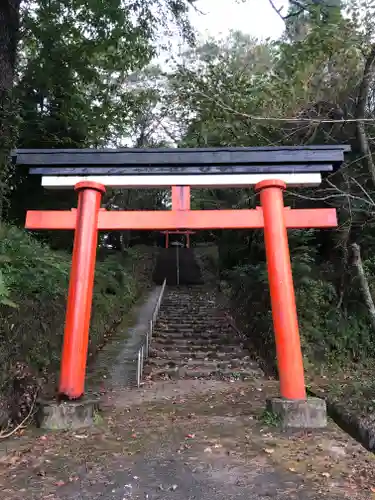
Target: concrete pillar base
{"x":67,"y":415}
{"x":299,"y":414}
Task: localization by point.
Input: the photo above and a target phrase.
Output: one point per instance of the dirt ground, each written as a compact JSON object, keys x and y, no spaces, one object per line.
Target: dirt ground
{"x":186,"y":440}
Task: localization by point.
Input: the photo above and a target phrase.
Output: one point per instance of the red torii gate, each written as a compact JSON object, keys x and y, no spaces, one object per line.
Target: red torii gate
{"x":187,"y":233}
{"x":270,"y":180}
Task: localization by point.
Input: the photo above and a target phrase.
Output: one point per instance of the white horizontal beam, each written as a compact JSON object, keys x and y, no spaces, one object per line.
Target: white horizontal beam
{"x":201,"y":181}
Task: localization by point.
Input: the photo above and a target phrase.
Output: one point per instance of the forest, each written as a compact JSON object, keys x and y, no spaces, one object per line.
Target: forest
{"x":87,"y":73}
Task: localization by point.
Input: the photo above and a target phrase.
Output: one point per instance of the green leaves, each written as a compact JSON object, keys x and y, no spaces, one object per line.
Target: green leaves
{"x":5,"y":293}
{"x":76,"y":59}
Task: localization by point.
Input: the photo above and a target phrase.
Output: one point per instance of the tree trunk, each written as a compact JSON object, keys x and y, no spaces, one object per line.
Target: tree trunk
{"x":360,"y":113}
{"x":363,"y":282}
{"x":9,"y":33}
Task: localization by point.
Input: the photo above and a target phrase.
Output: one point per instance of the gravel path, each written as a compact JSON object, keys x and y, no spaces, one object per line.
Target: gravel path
{"x":204,"y":440}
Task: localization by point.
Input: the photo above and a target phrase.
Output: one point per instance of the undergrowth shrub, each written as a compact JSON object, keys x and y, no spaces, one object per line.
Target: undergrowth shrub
{"x":33,"y":292}
{"x":332,"y":332}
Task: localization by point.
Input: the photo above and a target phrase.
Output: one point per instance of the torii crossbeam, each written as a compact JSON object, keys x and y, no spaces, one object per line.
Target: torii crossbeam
{"x":271,"y":170}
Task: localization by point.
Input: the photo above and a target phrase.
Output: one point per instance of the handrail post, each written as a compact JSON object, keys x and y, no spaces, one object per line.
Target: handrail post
{"x":151,"y":331}
{"x":144,"y":349}
{"x":147,"y":344}
{"x":139,"y":368}
{"x":178,"y":264}
{"x":142,"y":360}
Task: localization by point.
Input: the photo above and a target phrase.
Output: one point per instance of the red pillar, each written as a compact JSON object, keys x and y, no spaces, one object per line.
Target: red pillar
{"x":167,"y":240}
{"x":284,"y":311}
{"x":187,"y":240}
{"x":76,"y":335}
{"x":180,"y":197}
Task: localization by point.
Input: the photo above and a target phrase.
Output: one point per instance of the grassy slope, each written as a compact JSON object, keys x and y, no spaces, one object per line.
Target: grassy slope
{"x":33,"y":289}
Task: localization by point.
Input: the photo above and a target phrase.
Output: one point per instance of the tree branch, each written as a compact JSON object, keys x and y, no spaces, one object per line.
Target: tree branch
{"x":364,"y":285}
{"x":5,"y":434}
{"x":226,"y":107}
{"x":278,"y":11}
{"x":301,"y":7}
{"x":365,"y":84}
{"x":298,"y":4}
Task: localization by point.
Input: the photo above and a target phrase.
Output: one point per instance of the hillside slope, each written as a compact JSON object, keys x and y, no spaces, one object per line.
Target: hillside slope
{"x":33,"y":291}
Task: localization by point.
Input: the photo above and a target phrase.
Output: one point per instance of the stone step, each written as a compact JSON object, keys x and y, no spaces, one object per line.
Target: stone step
{"x":187,"y":342}
{"x":187,"y":373}
{"x":188,"y":295}
{"x":189,"y":292}
{"x":210,"y":355}
{"x":193,"y":329}
{"x":186,"y":325}
{"x":186,"y":300}
{"x":193,"y":339}
{"x":189,"y":328}
{"x":196,"y":339}
{"x":173,"y":309}
{"x":190,"y":322}
{"x":195,"y":332}
{"x":190,"y":316}
{"x":177,"y":313}
{"x":194,"y":347}
{"x":169,"y":325}
{"x":192,"y":308}
{"x":213,"y":364}
{"x":181,"y":320}
{"x":187,"y":305}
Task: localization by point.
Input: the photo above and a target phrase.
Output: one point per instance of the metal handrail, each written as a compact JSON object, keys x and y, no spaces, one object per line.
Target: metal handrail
{"x":144,"y":347}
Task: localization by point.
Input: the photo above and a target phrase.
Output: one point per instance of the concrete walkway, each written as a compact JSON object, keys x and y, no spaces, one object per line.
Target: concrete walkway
{"x":185,"y":440}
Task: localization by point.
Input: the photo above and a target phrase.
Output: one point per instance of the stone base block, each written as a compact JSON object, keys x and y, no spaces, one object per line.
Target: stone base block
{"x":66,"y":415}
{"x":299,"y":414}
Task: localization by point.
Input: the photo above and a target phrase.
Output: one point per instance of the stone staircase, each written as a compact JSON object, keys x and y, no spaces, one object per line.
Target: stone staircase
{"x":193,"y":339}
{"x":166,"y":267}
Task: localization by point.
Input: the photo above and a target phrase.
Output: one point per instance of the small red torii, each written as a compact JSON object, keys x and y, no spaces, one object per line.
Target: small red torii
{"x":271,"y":215}
{"x":187,"y":234}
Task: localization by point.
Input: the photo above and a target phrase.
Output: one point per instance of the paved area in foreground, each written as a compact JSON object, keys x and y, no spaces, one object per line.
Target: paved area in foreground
{"x":185,"y":440}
